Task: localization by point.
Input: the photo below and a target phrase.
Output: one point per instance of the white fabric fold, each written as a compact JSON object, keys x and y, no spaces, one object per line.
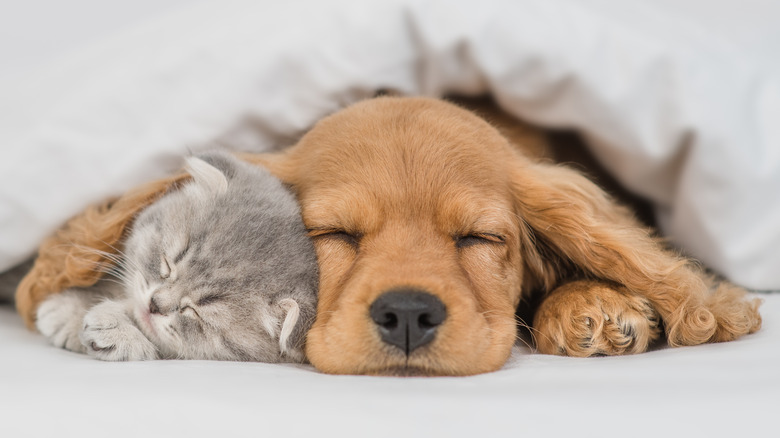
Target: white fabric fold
{"x":677,"y":101}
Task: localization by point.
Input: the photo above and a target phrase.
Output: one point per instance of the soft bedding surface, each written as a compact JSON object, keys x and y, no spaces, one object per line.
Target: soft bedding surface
{"x":716,"y":390}
{"x":679,"y":99}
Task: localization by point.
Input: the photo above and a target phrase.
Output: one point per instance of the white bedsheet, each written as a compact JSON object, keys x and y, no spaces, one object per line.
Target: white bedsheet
{"x":718,"y":390}
{"x":679,"y":99}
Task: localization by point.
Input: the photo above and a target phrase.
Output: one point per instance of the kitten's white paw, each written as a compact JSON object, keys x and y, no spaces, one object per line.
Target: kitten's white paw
{"x":109,"y":334}
{"x":59,"y":319}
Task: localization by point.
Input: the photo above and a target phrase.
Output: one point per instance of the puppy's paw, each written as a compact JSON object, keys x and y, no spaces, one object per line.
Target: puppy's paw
{"x":588,"y":318}
{"x":59,"y":318}
{"x":109,"y":334}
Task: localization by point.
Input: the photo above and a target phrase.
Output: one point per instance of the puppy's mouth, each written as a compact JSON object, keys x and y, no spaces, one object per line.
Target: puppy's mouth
{"x":387,"y":360}
{"x":405,"y":371}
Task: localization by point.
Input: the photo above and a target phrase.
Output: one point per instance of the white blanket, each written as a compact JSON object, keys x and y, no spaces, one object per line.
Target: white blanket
{"x":680,"y":100}
{"x":681,"y":111}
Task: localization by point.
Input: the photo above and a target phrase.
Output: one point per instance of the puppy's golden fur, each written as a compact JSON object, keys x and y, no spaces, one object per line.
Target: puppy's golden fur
{"x":389,"y":187}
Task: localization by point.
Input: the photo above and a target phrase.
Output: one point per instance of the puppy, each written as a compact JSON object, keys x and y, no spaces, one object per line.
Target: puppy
{"x":430,"y":227}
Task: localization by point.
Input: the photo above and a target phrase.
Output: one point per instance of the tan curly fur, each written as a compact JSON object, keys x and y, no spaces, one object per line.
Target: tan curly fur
{"x":589,"y":318}
{"x":406,"y":174}
{"x":580,"y":229}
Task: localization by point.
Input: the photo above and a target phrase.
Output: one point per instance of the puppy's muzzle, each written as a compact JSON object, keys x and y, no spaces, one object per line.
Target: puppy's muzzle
{"x":407,"y":318}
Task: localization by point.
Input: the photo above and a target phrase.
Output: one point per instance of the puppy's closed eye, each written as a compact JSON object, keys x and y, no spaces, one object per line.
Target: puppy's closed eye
{"x":467,"y":240}
{"x":351,"y":239}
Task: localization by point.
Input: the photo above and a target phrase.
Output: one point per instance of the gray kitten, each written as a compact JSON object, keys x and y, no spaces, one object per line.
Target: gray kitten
{"x":219,"y":269}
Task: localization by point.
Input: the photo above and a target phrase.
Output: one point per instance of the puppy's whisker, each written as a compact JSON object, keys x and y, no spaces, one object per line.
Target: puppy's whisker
{"x":517,"y":338}
{"x":532,"y":331}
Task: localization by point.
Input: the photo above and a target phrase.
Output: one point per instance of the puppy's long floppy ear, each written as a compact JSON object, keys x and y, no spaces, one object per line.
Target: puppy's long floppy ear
{"x":282,"y":165}
{"x":72,"y":256}
{"x":572,"y":227}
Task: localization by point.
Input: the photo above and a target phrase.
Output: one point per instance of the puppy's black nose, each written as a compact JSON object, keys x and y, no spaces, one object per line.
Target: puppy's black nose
{"x":407,"y":318}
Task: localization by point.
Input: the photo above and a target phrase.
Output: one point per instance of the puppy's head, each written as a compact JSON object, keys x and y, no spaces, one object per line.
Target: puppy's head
{"x":410,"y":205}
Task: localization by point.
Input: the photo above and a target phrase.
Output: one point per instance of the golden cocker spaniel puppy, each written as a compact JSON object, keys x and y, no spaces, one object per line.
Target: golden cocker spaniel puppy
{"x":430,"y":227}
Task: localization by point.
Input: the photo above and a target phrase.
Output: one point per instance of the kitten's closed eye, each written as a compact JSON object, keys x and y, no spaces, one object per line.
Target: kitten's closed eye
{"x":182,"y":253}
{"x":210,"y":299}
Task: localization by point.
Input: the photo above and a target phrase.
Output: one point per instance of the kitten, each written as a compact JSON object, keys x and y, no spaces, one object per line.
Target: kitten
{"x":220,"y":269}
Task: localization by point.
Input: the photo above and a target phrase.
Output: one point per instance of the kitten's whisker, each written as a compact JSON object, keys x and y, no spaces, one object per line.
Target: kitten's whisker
{"x":114,"y":281}
{"x":114,"y":259}
{"x":117,"y":271}
{"x":118,"y":257}
{"x":117,"y":268}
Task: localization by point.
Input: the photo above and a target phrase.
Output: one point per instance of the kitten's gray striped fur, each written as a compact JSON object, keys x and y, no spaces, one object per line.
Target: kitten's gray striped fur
{"x":219,"y":269}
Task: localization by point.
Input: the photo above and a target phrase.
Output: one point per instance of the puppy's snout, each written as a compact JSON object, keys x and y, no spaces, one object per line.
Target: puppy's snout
{"x":407,"y":318}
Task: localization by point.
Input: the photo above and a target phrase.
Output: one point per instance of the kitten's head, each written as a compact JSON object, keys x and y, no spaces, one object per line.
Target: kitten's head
{"x":222,"y":268}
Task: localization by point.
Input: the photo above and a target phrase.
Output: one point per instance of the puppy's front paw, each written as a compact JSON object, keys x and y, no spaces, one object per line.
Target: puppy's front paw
{"x":588,"y":318}
{"x":108,"y":334}
{"x":59,"y":320}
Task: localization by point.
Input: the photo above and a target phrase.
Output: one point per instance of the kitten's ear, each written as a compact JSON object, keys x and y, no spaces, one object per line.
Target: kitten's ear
{"x":211,"y":171}
{"x":288,"y":345}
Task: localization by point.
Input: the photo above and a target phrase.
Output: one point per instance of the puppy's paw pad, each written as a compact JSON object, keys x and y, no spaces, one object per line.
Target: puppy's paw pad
{"x":587,"y":318}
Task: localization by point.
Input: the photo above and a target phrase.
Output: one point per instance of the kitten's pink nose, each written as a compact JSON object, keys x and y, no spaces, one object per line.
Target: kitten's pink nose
{"x":154,"y":308}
